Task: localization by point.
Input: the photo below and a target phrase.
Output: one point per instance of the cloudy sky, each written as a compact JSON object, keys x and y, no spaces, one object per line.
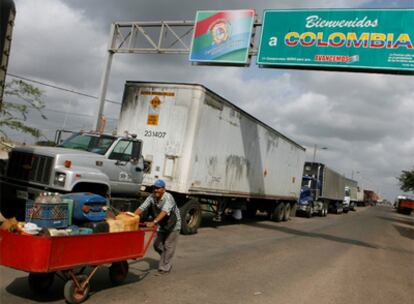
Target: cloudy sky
{"x":366,"y":121}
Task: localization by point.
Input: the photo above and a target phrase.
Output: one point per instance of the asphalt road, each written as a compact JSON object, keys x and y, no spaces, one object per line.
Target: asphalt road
{"x":361,"y":257}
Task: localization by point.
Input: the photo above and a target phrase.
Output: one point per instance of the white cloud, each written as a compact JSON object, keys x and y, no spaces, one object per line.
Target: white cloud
{"x":50,"y":36}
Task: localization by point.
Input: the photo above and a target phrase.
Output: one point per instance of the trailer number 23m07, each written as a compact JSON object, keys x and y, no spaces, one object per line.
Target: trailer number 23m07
{"x":150,"y":133}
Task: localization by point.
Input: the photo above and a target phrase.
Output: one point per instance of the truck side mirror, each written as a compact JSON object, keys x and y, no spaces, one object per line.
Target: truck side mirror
{"x":147,"y":166}
{"x":139,"y":162}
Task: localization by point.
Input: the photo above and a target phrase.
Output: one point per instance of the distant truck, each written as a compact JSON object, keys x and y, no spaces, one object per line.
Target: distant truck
{"x":370,"y":198}
{"x":360,"y":197}
{"x":351,"y":194}
{"x":210,"y":153}
{"x":404,"y":204}
{"x":324,"y":190}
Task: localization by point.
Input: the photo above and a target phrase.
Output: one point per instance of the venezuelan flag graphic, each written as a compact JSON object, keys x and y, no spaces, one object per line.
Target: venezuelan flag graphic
{"x":222,"y":36}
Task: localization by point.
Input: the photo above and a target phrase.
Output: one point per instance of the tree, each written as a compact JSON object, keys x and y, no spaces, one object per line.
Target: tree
{"x":21,"y":97}
{"x":407,"y":180}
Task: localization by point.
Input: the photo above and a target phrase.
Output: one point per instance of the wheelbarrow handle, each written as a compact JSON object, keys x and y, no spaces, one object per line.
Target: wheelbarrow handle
{"x":153,"y":230}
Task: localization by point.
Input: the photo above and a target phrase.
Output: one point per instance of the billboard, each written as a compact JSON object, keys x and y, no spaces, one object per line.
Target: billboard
{"x":222,"y":37}
{"x":378,"y":40}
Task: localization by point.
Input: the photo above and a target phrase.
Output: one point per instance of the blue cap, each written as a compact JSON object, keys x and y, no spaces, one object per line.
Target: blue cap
{"x":159,"y":183}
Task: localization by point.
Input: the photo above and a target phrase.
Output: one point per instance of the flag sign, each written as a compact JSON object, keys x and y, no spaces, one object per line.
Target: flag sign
{"x":222,"y":37}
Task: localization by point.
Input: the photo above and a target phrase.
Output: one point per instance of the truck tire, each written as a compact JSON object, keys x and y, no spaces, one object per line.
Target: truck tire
{"x":190,"y":217}
{"x":309,"y":212}
{"x":286,"y":214}
{"x":278,"y":213}
{"x":293,"y":210}
{"x":322,"y":211}
{"x":404,"y":211}
{"x":325,"y":209}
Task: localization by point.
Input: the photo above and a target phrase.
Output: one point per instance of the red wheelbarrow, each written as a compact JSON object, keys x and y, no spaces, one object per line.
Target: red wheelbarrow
{"x":44,"y":256}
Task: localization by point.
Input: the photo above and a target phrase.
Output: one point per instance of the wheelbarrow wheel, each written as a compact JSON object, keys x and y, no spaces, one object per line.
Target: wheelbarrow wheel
{"x":40,"y":282}
{"x":118,"y":272}
{"x":73,"y":294}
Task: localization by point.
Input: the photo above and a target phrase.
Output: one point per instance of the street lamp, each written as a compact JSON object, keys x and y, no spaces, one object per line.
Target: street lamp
{"x":315,"y":147}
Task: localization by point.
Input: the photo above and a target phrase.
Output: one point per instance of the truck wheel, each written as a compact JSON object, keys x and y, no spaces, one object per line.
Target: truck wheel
{"x":118,"y":272}
{"x":286,"y":214}
{"x":321,"y":212}
{"x":309,"y":212}
{"x":325,"y":209}
{"x":293,"y":210}
{"x":40,"y":282}
{"x":278,"y":213}
{"x":404,"y":211}
{"x":190,"y":217}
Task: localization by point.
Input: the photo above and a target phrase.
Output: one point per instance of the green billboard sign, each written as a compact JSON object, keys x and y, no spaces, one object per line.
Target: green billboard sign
{"x":379,"y":40}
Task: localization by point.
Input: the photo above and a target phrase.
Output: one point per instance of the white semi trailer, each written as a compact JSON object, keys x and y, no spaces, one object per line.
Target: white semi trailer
{"x":210,"y":152}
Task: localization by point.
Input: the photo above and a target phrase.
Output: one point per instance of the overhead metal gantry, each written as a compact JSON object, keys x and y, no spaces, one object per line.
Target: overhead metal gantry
{"x":150,"y":37}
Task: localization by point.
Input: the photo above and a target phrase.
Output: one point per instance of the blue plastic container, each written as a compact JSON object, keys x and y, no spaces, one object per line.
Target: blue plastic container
{"x":48,"y":215}
{"x":87,"y":207}
{"x":85,"y":230}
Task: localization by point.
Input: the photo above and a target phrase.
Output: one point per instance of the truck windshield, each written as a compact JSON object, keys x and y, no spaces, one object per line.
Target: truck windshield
{"x":89,"y":142}
{"x":306,"y":182}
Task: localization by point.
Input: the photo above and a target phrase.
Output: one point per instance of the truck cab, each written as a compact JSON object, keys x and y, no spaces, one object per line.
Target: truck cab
{"x":404,"y":204}
{"x":347,"y":200}
{"x":309,"y":202}
{"x":86,"y":162}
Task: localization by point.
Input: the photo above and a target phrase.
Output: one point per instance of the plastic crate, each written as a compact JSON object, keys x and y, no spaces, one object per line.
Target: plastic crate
{"x":48,"y":215}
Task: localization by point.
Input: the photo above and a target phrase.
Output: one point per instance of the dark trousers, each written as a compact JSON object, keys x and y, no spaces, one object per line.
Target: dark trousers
{"x":165,"y":244}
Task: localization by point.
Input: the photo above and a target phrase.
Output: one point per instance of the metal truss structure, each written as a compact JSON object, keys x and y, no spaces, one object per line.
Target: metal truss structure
{"x":150,"y":37}
{"x":159,"y":37}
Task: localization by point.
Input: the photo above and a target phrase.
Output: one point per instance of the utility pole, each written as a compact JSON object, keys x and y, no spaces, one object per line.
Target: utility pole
{"x":315,"y":147}
{"x":352,"y":173}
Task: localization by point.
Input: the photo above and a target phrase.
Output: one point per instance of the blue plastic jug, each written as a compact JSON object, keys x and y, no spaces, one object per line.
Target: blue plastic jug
{"x":87,"y":207}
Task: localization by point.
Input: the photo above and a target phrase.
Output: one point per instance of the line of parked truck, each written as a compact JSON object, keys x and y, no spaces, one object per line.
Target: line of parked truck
{"x":213,"y":156}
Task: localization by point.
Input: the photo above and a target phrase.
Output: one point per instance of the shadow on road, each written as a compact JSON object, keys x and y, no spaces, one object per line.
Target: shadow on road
{"x":313,"y":235}
{"x":208,"y":221}
{"x":152,"y":264}
{"x":398,"y":220}
{"x":20,"y":288}
{"x":100,"y":281}
{"x":405,"y":232}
